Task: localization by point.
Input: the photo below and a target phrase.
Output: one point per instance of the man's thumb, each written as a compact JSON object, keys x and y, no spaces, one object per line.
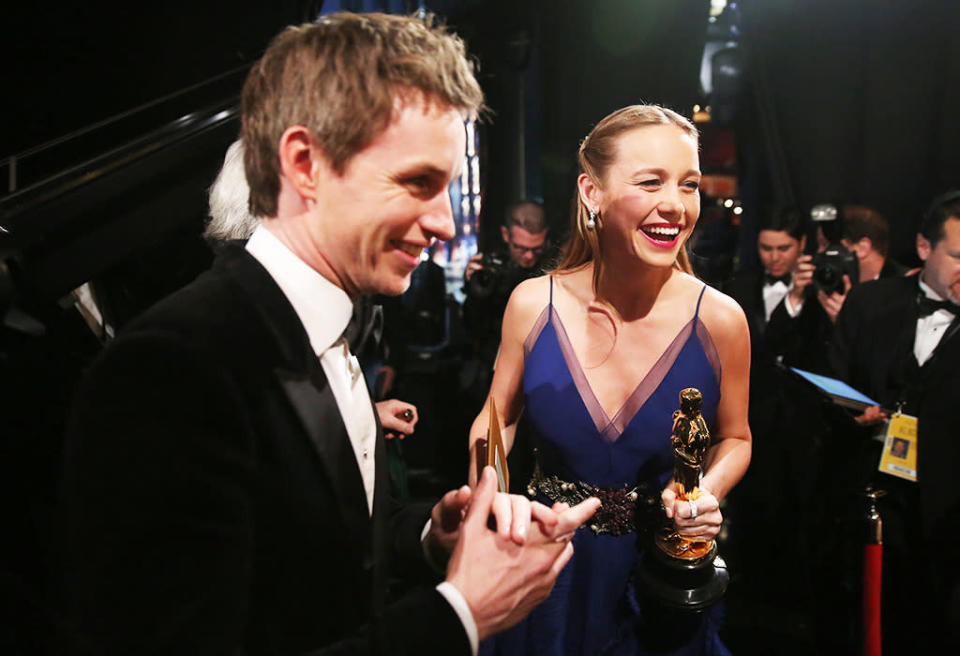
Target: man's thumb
{"x":482,"y":501}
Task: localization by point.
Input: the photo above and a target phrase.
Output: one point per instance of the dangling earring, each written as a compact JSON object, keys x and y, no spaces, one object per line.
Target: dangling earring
{"x":591,"y":220}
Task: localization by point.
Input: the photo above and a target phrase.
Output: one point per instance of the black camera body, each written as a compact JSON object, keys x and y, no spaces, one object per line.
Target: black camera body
{"x":496,"y":278}
{"x":831,"y":265}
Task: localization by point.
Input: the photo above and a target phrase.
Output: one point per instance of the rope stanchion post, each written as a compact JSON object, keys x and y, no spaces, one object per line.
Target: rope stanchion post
{"x":872,"y":576}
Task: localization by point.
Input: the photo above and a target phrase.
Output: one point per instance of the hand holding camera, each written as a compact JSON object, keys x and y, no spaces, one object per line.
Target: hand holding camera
{"x":833,"y":302}
{"x":802,"y":279}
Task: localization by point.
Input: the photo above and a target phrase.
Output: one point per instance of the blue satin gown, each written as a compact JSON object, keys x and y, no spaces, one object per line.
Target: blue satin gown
{"x":594,"y":607}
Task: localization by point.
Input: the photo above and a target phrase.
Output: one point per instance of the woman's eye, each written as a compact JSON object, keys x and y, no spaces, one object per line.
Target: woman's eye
{"x":693,"y":184}
{"x":653,"y":182}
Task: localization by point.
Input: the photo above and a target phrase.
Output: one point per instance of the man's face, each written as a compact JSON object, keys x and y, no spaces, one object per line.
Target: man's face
{"x":941,"y":264}
{"x":778,"y":251}
{"x":372,"y":222}
{"x":525,"y":247}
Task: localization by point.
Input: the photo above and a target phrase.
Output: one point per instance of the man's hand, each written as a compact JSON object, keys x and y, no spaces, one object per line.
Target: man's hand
{"x":503,"y":580}
{"x":802,"y":277}
{"x":708,"y":520}
{"x":392,"y":416}
{"x":445,"y":520}
{"x":871,"y":415}
{"x":832,"y":303}
{"x":386,"y":375}
{"x":511,"y":516}
{"x":473,"y":265}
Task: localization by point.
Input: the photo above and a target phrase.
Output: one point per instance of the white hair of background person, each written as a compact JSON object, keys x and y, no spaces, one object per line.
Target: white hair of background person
{"x":230,"y":216}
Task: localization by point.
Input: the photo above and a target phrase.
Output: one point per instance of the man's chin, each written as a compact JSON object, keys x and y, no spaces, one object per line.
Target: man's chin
{"x":394,"y":286}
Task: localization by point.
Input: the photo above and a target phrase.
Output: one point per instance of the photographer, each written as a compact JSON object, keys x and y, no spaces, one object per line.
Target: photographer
{"x":490,"y":278}
{"x":852,"y":249}
{"x":773,"y":298}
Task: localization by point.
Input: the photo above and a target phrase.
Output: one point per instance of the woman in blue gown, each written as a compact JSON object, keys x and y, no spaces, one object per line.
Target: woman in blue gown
{"x":596,"y":354}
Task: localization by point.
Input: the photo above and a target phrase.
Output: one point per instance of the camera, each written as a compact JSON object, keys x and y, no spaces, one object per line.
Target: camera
{"x":831,"y":265}
{"x":496,"y":278}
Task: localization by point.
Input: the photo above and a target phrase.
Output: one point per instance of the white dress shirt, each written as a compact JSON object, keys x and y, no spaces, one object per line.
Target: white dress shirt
{"x":930,"y":329}
{"x":772,"y":295}
{"x":324,"y":310}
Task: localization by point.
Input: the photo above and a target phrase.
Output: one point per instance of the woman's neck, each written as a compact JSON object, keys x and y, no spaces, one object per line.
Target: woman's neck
{"x":633,"y":290}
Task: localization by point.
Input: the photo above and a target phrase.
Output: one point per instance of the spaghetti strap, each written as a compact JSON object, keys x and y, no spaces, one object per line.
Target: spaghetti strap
{"x":551,"y":294}
{"x":696,"y":312}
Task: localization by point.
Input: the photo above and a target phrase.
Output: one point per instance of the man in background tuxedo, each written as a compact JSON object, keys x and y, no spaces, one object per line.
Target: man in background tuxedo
{"x":896,"y":340}
{"x":224,"y":473}
{"x":783,"y":324}
{"x":779,"y":493}
{"x":867,"y":235}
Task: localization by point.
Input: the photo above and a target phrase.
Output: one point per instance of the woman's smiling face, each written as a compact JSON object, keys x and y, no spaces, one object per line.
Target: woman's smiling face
{"x":649,"y":201}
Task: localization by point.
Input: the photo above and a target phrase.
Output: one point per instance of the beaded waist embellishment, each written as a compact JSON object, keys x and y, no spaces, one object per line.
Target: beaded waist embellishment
{"x":621,"y":511}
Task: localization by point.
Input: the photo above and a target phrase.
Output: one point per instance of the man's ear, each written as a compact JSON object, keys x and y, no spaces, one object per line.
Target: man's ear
{"x":803,"y":243}
{"x":864,"y":246}
{"x":297,"y":161}
{"x":505,"y":233}
{"x":923,"y":247}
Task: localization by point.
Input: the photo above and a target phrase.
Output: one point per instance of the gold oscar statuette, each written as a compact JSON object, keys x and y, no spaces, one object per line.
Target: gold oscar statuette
{"x":690,"y":440}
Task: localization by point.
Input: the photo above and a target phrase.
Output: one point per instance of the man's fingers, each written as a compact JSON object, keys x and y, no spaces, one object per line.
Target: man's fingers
{"x":451,"y":507}
{"x":521,"y":518}
{"x":577,"y":515}
{"x":502,"y":511}
{"x":482,"y":500}
{"x":456,"y":501}
{"x":546,"y":517}
{"x":562,"y":560}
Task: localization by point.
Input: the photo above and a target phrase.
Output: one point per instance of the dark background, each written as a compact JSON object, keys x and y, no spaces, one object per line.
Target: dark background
{"x":858,"y":91}
{"x":843,"y":101}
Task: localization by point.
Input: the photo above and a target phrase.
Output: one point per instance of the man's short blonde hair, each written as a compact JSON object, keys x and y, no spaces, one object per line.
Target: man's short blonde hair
{"x":340,"y":78}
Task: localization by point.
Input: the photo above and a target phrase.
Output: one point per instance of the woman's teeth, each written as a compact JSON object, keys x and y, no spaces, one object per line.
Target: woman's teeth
{"x":662,"y":233}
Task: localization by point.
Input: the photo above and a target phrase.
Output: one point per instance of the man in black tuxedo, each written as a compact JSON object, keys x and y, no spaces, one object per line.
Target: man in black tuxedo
{"x":774,"y":296}
{"x":224,"y":479}
{"x":779,"y":493}
{"x":866,"y":234}
{"x":896,"y":340}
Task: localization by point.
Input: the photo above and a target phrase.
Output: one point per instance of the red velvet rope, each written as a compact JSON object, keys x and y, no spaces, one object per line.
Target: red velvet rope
{"x":872,"y":583}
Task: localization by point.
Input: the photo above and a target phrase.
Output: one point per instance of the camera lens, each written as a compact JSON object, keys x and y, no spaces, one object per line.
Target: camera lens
{"x":482,"y":284}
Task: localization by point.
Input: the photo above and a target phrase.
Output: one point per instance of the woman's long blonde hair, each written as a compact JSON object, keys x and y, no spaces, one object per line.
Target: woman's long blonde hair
{"x":595,"y":156}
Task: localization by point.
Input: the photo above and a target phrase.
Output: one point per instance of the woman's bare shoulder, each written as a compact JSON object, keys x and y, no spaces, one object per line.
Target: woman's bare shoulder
{"x":525,"y":305}
{"x":533,"y":293}
{"x":722,"y":315}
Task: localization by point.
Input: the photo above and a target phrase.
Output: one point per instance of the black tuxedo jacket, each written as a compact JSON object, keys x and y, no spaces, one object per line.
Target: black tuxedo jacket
{"x":213,"y":502}
{"x":799,"y":341}
{"x":873,"y":352}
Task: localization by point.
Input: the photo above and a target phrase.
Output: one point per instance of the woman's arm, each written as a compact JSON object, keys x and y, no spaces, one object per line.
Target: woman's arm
{"x":730,"y":449}
{"x":729,"y":453}
{"x":525,"y":304}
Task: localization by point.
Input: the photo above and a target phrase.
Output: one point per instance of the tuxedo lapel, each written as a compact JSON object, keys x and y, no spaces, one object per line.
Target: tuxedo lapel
{"x":300,"y":376}
{"x":902,"y":321}
{"x":316,"y":407}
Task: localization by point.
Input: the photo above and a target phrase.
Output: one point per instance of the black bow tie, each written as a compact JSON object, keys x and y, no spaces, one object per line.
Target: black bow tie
{"x":770,"y":279}
{"x":927,"y":306}
{"x":366,"y":324}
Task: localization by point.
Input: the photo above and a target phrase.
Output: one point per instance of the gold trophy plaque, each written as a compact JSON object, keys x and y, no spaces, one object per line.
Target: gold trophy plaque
{"x":490,"y":451}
